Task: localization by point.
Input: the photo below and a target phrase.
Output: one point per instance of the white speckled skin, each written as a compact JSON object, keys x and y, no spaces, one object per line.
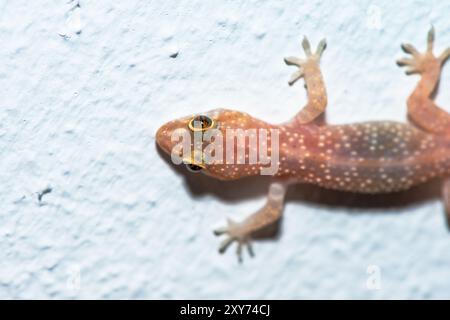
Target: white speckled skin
{"x":371,"y":157}
{"x":79,"y":114}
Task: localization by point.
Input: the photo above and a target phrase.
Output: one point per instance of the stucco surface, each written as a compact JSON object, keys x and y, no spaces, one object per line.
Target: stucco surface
{"x":83,"y":91}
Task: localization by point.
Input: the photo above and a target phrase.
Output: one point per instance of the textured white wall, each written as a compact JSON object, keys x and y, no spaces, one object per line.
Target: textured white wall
{"x":83,"y":91}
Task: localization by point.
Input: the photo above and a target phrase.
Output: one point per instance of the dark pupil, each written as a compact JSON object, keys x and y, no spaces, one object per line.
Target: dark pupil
{"x":202,"y":121}
{"x":194,"y":167}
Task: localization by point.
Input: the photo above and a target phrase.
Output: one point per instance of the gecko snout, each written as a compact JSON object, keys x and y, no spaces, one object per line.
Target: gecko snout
{"x":163,"y":137}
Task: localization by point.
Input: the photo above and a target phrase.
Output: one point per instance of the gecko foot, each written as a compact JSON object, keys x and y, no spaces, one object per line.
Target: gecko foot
{"x":235,"y":232}
{"x":423,"y":62}
{"x":311,"y":58}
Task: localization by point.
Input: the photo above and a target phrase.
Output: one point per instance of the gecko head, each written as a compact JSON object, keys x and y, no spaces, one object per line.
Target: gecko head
{"x":199,"y":141}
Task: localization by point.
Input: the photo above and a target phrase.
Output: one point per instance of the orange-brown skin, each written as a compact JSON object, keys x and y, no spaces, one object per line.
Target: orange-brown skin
{"x":370,"y":157}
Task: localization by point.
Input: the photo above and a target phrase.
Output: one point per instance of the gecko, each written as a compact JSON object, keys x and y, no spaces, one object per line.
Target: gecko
{"x":369,"y":157}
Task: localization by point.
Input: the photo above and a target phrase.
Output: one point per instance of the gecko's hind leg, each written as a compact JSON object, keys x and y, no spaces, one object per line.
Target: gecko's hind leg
{"x":267,"y":215}
{"x":421,"y":108}
{"x":310,"y":70}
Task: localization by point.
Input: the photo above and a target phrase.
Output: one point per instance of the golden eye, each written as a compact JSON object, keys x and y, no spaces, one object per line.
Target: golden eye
{"x":201,"y":123}
{"x":195,"y":162}
{"x":194,"y":167}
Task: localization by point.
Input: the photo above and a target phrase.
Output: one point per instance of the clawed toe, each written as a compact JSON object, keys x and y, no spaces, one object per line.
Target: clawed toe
{"x":240,"y":243}
{"x":310,"y":57}
{"x":321,"y":47}
{"x":445,"y":55}
{"x":319,"y":51}
{"x":239,"y":249}
{"x":430,"y":39}
{"x":405,"y":62}
{"x":409,"y":48}
{"x":410,"y":63}
{"x":225,"y":244}
{"x":306,"y":46}
{"x":296,"y":76}
{"x":294,"y":61}
{"x":421,"y":62}
{"x":411,"y":71}
{"x":234,"y":234}
{"x":414,"y":64}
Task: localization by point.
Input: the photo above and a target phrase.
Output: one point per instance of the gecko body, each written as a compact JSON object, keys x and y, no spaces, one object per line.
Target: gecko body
{"x":369,"y":157}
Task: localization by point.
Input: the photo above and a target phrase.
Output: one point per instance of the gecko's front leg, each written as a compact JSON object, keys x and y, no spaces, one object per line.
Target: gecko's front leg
{"x":241,"y":232}
{"x":309,"y":69}
{"x":422,"y":109}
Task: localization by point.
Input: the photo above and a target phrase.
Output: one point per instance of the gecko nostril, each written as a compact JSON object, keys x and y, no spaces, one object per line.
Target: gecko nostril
{"x":201,"y":123}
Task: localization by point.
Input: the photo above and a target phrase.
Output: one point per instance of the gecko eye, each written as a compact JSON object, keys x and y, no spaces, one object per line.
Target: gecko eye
{"x":194,"y":167}
{"x":201,"y":123}
{"x":194,"y":164}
